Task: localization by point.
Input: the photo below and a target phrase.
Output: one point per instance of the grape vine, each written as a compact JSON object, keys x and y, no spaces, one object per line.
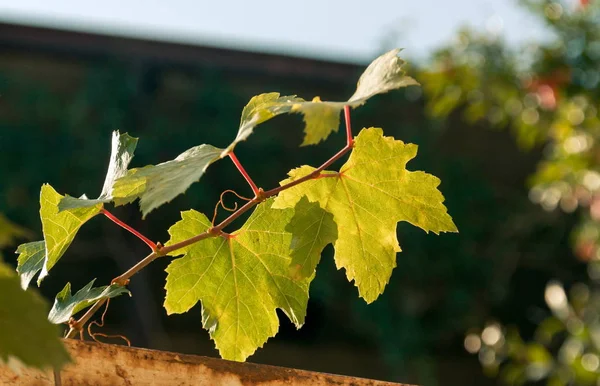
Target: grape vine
{"x":242,"y":277}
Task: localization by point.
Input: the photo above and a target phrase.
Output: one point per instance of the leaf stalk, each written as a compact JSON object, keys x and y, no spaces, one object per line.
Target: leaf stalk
{"x":120,"y":223}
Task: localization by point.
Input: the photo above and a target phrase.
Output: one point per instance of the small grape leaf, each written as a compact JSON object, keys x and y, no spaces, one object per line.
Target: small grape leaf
{"x":322,"y":117}
{"x":312,"y":228}
{"x":67,"y":305}
{"x":59,"y":228}
{"x":259,"y":109}
{"x":122,"y":149}
{"x":26,"y":336}
{"x":383,"y":74}
{"x":30,"y":261}
{"x":240,"y":279}
{"x":372,"y":192}
{"x":155,"y":185}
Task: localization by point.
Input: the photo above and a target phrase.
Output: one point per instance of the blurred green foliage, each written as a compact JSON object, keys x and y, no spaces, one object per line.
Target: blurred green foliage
{"x":547,"y":94}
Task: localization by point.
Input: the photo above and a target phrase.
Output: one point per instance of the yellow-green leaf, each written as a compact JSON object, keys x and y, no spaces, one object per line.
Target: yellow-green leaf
{"x":384,"y":74}
{"x":155,"y":185}
{"x":59,"y":228}
{"x":259,"y":109}
{"x":67,"y":305}
{"x":30,"y":261}
{"x":312,"y":228}
{"x":322,"y":117}
{"x":240,"y":279}
{"x":26,"y":335}
{"x":370,"y":194}
{"x":123,"y":146}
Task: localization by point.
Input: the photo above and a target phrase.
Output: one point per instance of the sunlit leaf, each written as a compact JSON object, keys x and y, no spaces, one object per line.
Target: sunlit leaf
{"x":30,"y":261}
{"x":312,"y":228}
{"x":259,"y":109}
{"x":67,"y":305}
{"x":121,"y":155}
{"x":155,"y":185}
{"x":240,"y":279}
{"x":383,"y":74}
{"x":370,"y":194}
{"x":322,"y":117}
{"x":60,"y":228}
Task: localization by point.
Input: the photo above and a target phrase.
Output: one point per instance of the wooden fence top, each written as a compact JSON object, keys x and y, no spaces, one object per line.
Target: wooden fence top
{"x":113,"y":365}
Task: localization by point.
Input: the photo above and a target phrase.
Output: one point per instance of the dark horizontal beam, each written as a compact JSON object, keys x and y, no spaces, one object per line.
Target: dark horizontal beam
{"x":83,"y":44}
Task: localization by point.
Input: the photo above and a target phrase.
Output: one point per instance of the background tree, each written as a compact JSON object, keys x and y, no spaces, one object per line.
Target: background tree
{"x":547,"y":94}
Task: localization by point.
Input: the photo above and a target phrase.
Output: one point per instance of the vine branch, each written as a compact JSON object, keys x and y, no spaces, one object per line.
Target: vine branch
{"x":216,"y":230}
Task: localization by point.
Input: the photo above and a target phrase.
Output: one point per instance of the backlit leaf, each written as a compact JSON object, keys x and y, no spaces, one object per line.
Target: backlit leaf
{"x":60,"y":228}
{"x":121,"y":155}
{"x":26,"y":336}
{"x":322,"y":117}
{"x":67,"y":305}
{"x":30,"y":261}
{"x":259,"y":109}
{"x":372,"y":192}
{"x":383,"y":74}
{"x":240,"y":279}
{"x":312,"y":228}
{"x":155,"y":185}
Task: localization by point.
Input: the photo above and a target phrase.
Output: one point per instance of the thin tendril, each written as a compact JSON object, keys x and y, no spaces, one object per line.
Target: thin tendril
{"x":93,"y":335}
{"x":222,"y":204}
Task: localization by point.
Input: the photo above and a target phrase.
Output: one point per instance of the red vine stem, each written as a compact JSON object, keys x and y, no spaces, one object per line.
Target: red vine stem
{"x":120,"y":223}
{"x":244,"y":173}
{"x":349,"y":137}
{"x":215,"y":230}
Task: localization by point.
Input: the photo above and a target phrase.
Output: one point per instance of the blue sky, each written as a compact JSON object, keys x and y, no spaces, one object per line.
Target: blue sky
{"x":350,"y":30}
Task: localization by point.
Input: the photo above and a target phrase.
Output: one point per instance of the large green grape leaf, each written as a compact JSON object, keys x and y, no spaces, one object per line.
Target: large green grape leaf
{"x":370,"y":194}
{"x":155,"y":185}
{"x":322,"y":117}
{"x":67,"y":305}
{"x":240,"y":279}
{"x":30,"y":261}
{"x":312,"y":228}
{"x":60,"y":228}
{"x":26,"y":335}
{"x":123,"y":146}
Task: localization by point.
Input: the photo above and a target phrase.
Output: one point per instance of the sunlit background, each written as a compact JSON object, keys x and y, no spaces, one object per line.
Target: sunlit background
{"x":507,"y":117}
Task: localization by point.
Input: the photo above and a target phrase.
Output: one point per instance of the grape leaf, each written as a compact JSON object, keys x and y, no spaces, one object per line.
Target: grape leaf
{"x":155,"y":185}
{"x":30,"y":261}
{"x":383,"y":74}
{"x":121,"y":155}
{"x":59,"y":228}
{"x":240,"y":279}
{"x":67,"y":305}
{"x":259,"y":109}
{"x":312,"y":228}
{"x":26,"y":336}
{"x":322,"y":117}
{"x":372,"y":192}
